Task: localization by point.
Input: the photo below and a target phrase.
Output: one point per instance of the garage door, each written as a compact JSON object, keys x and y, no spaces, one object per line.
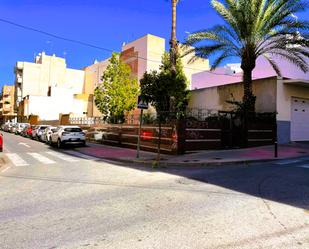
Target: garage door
{"x":300,"y":119}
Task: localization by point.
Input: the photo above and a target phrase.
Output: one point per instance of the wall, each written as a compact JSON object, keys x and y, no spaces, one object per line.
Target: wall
{"x":192,"y":68}
{"x":145,"y":54}
{"x":93,"y":77}
{"x":214,"y":98}
{"x":62,"y":100}
{"x":285,"y":92}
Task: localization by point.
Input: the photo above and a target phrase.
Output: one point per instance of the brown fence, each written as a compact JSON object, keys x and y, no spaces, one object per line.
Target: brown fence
{"x":127,"y":136}
{"x":223,"y":131}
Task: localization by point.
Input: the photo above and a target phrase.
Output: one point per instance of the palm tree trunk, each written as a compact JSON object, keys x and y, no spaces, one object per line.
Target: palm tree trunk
{"x":249,"y":98}
{"x":248,"y":103}
{"x":173,"y":41}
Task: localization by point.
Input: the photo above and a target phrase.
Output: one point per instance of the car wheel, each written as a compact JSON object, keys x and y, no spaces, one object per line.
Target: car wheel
{"x":84,"y":144}
{"x":59,"y":144}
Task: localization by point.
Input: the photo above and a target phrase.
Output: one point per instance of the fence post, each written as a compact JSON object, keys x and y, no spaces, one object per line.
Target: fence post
{"x":275,"y":138}
{"x":181,"y":136}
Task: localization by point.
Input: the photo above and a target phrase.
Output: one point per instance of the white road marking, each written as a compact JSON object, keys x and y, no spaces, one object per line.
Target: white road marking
{"x":24,"y":144}
{"x":17,"y":160}
{"x":306,"y":166}
{"x":5,"y":169}
{"x":81,"y":155}
{"x":41,"y":158}
{"x":62,"y":156}
{"x":288,"y":162}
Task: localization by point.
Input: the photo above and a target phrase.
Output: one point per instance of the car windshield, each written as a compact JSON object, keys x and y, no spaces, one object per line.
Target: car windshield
{"x":43,"y":127}
{"x":73,"y":129}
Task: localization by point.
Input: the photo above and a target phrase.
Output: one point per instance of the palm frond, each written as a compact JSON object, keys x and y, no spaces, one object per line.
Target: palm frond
{"x":273,"y":64}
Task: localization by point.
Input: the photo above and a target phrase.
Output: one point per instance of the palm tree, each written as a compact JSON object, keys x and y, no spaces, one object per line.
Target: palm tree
{"x":254,"y":28}
{"x":173,"y":41}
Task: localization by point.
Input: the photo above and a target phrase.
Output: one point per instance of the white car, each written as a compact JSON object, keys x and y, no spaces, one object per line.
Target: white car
{"x":46,"y":135}
{"x":68,"y":135}
{"x":36,"y":134}
{"x":20,"y":127}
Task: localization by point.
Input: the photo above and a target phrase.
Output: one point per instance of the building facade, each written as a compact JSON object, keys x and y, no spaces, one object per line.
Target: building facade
{"x":145,"y":55}
{"x":142,"y":55}
{"x":93,"y":77}
{"x":7,"y":100}
{"x":47,"y":88}
{"x":287,"y":95}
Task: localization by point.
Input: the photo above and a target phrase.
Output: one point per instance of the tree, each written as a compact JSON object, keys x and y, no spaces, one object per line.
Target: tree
{"x":166,"y":91}
{"x":254,"y":28}
{"x":118,"y":91}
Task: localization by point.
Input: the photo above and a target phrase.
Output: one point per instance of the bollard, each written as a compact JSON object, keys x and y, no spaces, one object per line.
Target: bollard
{"x":276,"y":149}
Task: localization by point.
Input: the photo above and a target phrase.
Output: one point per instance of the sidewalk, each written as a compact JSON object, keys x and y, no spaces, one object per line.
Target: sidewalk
{"x":199,"y":158}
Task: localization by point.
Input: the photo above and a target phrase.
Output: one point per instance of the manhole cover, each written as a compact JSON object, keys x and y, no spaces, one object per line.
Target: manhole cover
{"x":217,"y":158}
{"x":302,"y":152}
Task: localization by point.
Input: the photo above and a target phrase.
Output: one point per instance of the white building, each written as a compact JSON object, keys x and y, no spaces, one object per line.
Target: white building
{"x":47,"y":88}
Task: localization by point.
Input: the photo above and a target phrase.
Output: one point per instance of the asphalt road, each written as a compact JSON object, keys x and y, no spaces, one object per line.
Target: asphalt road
{"x":50,"y":199}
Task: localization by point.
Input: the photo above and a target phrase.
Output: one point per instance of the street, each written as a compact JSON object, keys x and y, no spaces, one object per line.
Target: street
{"x":63,"y":199}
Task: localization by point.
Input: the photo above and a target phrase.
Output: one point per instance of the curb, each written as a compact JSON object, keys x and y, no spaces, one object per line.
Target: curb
{"x":186,"y":164}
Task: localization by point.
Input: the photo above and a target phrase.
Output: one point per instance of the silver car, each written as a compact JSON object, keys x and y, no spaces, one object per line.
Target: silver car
{"x":46,"y":135}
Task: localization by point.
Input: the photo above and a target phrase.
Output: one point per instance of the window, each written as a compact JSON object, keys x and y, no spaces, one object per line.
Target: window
{"x":73,"y":129}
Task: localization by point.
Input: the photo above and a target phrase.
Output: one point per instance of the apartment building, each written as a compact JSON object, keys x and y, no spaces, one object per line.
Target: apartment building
{"x":7,"y":100}
{"x":47,"y":88}
{"x":93,"y":77}
{"x":145,"y":54}
{"x":142,"y":55}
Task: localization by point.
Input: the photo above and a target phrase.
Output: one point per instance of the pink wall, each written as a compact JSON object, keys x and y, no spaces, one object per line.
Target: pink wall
{"x":262,"y":70}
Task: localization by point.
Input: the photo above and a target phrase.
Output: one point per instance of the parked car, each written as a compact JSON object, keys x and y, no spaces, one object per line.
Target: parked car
{"x":7,"y":127}
{"x":34,"y":131}
{"x":68,"y":135}
{"x":20,"y":127}
{"x":29,"y":131}
{"x":45,"y":137}
{"x":39,"y":131}
{"x":23,"y":133}
{"x":13,"y":128}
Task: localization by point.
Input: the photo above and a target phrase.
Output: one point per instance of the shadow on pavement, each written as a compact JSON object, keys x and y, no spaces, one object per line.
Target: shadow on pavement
{"x":284,"y":184}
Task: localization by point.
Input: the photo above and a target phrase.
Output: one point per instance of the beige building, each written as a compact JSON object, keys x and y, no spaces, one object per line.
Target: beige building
{"x":93,"y":77}
{"x":7,"y":100}
{"x":47,"y":88}
{"x":142,"y":55}
{"x":145,"y":54}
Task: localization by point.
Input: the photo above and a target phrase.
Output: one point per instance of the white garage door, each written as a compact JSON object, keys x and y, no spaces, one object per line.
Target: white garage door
{"x":300,"y":119}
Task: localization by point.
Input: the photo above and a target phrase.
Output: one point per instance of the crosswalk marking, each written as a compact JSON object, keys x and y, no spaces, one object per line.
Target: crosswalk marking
{"x":41,"y":158}
{"x":17,"y":160}
{"x":62,"y":156}
{"x":47,"y":157}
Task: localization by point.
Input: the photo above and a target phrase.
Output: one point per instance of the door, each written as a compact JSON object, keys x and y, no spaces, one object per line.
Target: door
{"x":300,"y":119}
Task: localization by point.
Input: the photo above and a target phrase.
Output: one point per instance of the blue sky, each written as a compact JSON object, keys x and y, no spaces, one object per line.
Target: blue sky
{"x":106,"y":23}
